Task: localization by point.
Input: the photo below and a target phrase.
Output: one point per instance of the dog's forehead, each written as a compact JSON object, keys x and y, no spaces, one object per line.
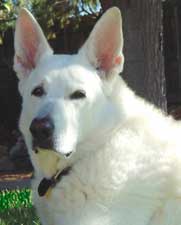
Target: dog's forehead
{"x":66,"y":69}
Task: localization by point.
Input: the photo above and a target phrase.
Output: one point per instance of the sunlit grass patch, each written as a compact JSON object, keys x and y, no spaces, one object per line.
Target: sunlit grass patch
{"x":15,"y":199}
{"x":16,"y":208}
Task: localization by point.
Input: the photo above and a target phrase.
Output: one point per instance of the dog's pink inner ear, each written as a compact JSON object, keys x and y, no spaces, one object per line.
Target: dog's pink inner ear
{"x":29,"y":44}
{"x":107,"y":47}
{"x":107,"y":62}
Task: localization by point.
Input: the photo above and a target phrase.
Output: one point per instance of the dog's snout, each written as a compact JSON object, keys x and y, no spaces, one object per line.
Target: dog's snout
{"x":42,"y":129}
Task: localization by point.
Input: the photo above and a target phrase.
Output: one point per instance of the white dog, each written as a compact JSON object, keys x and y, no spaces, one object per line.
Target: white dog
{"x":102,"y":156}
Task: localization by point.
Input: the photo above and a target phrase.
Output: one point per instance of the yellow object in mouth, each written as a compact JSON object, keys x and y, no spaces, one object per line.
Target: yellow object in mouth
{"x":47,"y":161}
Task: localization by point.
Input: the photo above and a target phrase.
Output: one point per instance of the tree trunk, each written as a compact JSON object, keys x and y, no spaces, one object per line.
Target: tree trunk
{"x":152,"y":36}
{"x":144,"y":63}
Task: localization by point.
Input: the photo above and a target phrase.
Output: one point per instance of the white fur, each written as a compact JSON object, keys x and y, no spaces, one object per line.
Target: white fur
{"x":126,"y":165}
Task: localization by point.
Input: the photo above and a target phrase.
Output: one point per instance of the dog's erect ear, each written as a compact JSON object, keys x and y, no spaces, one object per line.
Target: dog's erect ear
{"x":30,"y":44}
{"x":105,"y":43}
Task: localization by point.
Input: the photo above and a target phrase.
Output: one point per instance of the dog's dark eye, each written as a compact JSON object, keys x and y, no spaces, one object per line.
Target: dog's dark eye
{"x":38,"y":91}
{"x":78,"y":94}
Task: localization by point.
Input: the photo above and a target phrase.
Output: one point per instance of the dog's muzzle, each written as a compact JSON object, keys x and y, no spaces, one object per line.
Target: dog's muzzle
{"x":42,"y":130}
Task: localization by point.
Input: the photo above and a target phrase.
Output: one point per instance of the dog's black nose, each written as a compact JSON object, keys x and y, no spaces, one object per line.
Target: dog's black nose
{"x":42,"y":132}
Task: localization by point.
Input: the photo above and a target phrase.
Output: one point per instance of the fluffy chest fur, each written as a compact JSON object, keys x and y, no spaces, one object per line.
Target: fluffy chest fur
{"x":117,"y":184}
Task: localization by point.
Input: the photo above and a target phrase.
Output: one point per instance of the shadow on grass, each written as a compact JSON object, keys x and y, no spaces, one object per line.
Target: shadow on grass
{"x":20,"y":216}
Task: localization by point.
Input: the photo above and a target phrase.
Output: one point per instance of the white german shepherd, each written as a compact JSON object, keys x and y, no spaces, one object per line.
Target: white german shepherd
{"x":102,"y":156}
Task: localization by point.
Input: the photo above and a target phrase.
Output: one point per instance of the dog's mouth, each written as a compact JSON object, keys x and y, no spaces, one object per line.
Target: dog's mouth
{"x":53,"y":168}
{"x":48,"y":145}
{"x":52,"y":163}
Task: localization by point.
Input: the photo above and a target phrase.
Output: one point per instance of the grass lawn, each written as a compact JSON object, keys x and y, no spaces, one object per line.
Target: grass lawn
{"x":16,"y":208}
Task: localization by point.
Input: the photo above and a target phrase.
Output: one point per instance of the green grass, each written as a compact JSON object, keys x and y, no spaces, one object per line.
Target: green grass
{"x":16,"y":208}
{"x":15,"y":199}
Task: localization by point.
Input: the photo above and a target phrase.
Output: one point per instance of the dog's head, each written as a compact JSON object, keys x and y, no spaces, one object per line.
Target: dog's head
{"x":66,"y":97}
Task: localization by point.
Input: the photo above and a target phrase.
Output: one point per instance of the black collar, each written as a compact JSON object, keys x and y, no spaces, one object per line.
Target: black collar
{"x":45,"y":183}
